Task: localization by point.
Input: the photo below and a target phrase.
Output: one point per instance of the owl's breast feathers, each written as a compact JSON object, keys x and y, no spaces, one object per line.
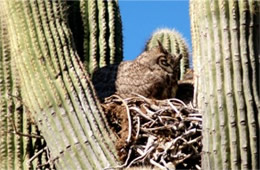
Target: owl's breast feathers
{"x":149,"y":82}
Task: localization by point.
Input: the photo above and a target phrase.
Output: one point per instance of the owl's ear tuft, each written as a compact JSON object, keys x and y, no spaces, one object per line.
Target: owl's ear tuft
{"x":178,"y":57}
{"x":161,"y":48}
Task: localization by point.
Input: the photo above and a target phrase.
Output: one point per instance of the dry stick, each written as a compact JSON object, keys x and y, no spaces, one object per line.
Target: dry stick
{"x":181,"y":160}
{"x":179,"y":101}
{"x":13,"y":124}
{"x":198,"y":167}
{"x":138,"y":128}
{"x":145,"y":99}
{"x":142,"y":156}
{"x":189,"y":132}
{"x":155,"y":107}
{"x":45,"y":164}
{"x":23,"y":104}
{"x":171,"y":143}
{"x":165,"y":164}
{"x":148,"y":110}
{"x":157,"y":164}
{"x":194,"y":119}
{"x":156,"y":128}
{"x":124,"y":165}
{"x":141,"y":113}
{"x":160,"y":120}
{"x":168,"y":118}
{"x":194,"y":140}
{"x":129,"y":118}
{"x":158,"y":111}
{"x":37,"y":154}
{"x":150,"y":142}
{"x":147,"y":150}
{"x":195,"y":115}
{"x":22,"y":134}
{"x":174,"y":108}
{"x":147,"y":123}
{"x":50,"y":162}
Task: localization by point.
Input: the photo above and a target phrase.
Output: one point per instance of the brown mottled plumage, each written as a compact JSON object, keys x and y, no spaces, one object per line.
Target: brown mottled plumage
{"x":153,"y":74}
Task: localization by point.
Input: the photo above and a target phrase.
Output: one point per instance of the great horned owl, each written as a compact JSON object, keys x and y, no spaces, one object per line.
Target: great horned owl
{"x":153,"y":74}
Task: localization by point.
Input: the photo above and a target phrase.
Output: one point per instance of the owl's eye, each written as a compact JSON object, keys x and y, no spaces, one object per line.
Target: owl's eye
{"x":164,"y":62}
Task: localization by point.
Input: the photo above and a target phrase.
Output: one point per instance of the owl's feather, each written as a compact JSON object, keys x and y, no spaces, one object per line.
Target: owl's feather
{"x":153,"y":74}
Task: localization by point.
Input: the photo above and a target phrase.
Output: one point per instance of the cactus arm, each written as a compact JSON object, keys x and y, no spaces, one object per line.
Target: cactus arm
{"x":93,"y":35}
{"x":111,"y":24}
{"x":57,"y":89}
{"x":10,"y":144}
{"x":102,"y":17}
{"x":251,"y":115}
{"x":84,"y":15}
{"x":239,"y":96}
{"x":110,"y":33}
{"x":119,"y":35}
{"x":5,"y":69}
{"x":225,"y":56}
{"x":15,"y":149}
{"x":102,"y":37}
{"x":221,"y":119}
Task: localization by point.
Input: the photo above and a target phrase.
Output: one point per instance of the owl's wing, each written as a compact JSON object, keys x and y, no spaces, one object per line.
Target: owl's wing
{"x":137,"y":78}
{"x":104,"y":80}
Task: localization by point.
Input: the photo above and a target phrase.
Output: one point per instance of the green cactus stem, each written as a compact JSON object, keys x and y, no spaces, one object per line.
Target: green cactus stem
{"x":225,"y":41}
{"x":99,"y":38}
{"x":174,"y":43}
{"x":56,"y":88}
{"x":16,"y":144}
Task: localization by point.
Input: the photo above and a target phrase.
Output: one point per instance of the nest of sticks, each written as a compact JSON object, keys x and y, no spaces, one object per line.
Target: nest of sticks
{"x":162,"y":133}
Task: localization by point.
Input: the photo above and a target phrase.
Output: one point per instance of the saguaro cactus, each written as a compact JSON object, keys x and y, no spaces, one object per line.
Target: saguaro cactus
{"x":225,"y":40}
{"x":15,"y":148}
{"x":55,"y":86}
{"x":98,"y":32}
{"x":174,"y":43}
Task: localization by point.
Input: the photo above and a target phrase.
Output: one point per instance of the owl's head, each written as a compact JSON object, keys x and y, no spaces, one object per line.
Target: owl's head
{"x":159,"y":56}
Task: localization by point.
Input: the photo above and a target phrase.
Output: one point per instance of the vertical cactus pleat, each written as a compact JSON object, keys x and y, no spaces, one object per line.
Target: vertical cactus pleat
{"x":174,"y":43}
{"x":55,"y":87}
{"x":225,"y":41}
{"x":15,"y":149}
{"x":102,"y":33}
{"x":6,"y":139}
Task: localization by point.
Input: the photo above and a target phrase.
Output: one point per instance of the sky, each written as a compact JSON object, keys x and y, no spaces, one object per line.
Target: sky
{"x":142,"y":17}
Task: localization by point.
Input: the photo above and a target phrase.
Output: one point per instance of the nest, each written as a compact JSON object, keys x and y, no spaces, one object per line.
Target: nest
{"x":162,"y":133}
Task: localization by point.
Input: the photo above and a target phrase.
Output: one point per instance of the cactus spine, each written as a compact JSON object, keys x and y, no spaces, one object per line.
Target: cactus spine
{"x":15,"y":149}
{"x":56,"y":88}
{"x":174,"y":43}
{"x":225,"y":38}
{"x":101,"y":35}
{"x":7,"y":107}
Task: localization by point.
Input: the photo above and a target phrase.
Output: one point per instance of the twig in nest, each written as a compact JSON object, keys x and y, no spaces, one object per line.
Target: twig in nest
{"x":177,"y":100}
{"x":174,"y":108}
{"x":166,"y":135}
{"x":129,"y":118}
{"x":138,"y":127}
{"x":142,"y":156}
{"x":141,"y":113}
{"x":124,"y":165}
{"x":157,"y":164}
